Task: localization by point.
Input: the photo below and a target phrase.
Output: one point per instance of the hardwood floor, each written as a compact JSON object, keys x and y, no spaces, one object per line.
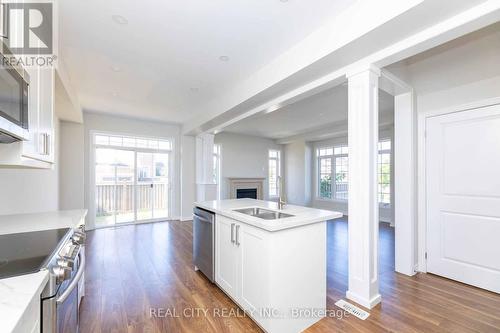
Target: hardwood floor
{"x":133,"y":270}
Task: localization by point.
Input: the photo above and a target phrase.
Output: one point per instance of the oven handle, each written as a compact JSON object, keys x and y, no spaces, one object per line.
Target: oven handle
{"x":74,"y":284}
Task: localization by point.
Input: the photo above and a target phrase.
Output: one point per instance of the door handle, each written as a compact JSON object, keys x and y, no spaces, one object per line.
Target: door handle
{"x":232,"y":233}
{"x":238,"y":235}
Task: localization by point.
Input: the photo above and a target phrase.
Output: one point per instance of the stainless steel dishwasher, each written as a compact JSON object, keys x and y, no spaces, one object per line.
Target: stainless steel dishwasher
{"x":203,"y":242}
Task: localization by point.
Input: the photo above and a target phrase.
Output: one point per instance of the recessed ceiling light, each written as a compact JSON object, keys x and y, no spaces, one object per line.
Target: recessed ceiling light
{"x":118,"y":19}
{"x":114,"y":94}
{"x":224,"y":58}
{"x":115,"y":68}
{"x":283,"y":0}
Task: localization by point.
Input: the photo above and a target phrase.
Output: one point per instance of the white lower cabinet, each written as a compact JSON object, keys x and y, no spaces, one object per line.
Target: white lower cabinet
{"x":241,"y":264}
{"x":226,"y":271}
{"x":272,"y":274}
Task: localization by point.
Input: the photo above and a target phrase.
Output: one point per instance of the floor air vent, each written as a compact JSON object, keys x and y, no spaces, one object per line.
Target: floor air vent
{"x":352,"y":309}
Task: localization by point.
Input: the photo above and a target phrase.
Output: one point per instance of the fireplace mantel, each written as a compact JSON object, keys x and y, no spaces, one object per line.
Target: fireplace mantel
{"x":246,"y":183}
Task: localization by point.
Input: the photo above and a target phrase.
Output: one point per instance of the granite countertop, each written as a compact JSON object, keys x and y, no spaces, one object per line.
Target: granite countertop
{"x":19,"y":294}
{"x":301,"y":215}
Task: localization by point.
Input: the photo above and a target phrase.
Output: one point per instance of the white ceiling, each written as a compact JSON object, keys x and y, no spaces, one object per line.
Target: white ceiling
{"x":166,"y":59}
{"x":327,"y":107}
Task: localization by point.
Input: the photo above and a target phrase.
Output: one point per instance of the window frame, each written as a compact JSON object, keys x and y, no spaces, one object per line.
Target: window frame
{"x":278,"y":171}
{"x":333,"y":169}
{"x":216,"y":156}
{"x":379,"y":152}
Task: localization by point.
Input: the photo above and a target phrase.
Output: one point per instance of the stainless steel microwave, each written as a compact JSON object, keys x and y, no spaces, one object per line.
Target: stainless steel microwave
{"x":14,"y":103}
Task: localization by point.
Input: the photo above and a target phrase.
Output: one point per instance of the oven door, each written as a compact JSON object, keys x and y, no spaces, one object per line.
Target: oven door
{"x":67,"y":301}
{"x":60,"y":312}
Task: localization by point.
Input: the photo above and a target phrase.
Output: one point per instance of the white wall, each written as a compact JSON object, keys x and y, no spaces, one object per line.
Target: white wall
{"x":385,"y":214}
{"x":244,"y":156}
{"x":130,"y":126}
{"x":459,"y":72}
{"x":71,"y":166}
{"x":188,"y":176}
{"x":298,"y":171}
{"x":30,"y":190}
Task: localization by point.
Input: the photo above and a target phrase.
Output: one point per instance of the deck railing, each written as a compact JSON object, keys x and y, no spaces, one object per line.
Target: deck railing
{"x":148,"y":196}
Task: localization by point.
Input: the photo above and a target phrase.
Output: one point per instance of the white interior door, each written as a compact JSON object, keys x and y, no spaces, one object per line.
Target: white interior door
{"x":463,"y":196}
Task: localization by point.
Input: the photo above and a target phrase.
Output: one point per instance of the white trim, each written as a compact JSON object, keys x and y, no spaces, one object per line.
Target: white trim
{"x":422,"y":194}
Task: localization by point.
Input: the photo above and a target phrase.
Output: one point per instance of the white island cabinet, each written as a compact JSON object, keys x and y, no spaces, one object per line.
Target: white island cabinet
{"x":275,"y":270}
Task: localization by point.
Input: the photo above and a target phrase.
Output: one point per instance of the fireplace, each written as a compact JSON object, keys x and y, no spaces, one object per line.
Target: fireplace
{"x":250,"y":193}
{"x":246,"y":188}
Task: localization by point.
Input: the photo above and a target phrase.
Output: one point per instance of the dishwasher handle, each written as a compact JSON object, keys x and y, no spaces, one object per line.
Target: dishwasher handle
{"x":201,"y":218}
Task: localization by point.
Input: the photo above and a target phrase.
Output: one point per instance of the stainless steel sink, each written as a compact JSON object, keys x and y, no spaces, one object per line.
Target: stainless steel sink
{"x":262,"y":213}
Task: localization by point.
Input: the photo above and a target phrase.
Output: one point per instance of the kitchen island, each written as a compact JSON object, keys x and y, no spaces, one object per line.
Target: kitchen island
{"x":272,"y":262}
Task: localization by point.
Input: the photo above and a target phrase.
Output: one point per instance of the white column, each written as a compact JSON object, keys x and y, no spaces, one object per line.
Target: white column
{"x":363,"y":201}
{"x":206,"y":189}
{"x":405,"y":182}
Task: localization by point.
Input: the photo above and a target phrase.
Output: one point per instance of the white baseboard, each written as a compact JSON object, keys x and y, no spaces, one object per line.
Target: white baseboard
{"x":186,"y":218}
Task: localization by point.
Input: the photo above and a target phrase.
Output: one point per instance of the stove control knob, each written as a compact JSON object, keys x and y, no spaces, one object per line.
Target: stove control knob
{"x":79,"y":238}
{"x":62,"y":273}
{"x":65,"y":263}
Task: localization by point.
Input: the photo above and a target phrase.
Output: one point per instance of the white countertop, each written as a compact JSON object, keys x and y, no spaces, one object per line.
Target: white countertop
{"x":18,"y":294}
{"x":11,"y":224}
{"x":302,"y":215}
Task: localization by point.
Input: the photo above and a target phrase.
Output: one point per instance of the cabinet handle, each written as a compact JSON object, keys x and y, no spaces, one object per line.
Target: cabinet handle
{"x":232,"y":233}
{"x":238,"y":235}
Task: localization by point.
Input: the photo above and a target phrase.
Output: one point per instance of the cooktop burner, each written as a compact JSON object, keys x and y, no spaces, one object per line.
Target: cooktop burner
{"x":27,"y":252}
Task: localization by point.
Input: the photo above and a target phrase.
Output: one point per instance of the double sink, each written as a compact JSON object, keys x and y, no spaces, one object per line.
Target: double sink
{"x":262,"y":213}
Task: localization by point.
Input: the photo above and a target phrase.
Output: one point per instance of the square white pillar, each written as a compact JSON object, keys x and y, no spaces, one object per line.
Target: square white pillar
{"x":363,"y":187}
{"x":405,"y":157}
{"x":206,"y":188}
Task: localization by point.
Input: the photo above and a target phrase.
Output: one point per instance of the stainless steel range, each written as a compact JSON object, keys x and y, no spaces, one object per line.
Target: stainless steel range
{"x":62,"y":253}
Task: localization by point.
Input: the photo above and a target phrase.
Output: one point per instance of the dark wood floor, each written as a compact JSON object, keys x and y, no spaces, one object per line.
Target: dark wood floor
{"x":133,"y":269}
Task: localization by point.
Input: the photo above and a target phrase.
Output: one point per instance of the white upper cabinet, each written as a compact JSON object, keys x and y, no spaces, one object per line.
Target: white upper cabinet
{"x":39,"y":150}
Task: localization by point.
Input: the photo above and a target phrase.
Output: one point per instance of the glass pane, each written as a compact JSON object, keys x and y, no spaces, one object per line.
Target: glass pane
{"x":153,"y":144}
{"x":273,"y":174}
{"x":125,"y":189}
{"x":161,"y":185}
{"x":129,"y":142}
{"x":325,"y":181}
{"x":102,"y":140}
{"x":114,"y":178}
{"x":105,"y":195}
{"x":144,"y":188}
{"x":115,"y":141}
{"x":165,"y":145}
{"x":141,"y":143}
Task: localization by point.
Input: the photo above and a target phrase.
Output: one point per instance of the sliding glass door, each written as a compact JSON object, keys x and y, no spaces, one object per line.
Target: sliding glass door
{"x":152,"y":185}
{"x":130,"y":184}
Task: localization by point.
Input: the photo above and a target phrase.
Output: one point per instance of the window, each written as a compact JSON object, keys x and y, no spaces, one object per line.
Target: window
{"x":384,"y":172}
{"x":216,"y":175}
{"x":333,"y":164}
{"x":132,"y":142}
{"x":274,"y":172}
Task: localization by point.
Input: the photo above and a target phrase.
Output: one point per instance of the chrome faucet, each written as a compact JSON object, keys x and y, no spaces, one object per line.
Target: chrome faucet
{"x":282,"y":198}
